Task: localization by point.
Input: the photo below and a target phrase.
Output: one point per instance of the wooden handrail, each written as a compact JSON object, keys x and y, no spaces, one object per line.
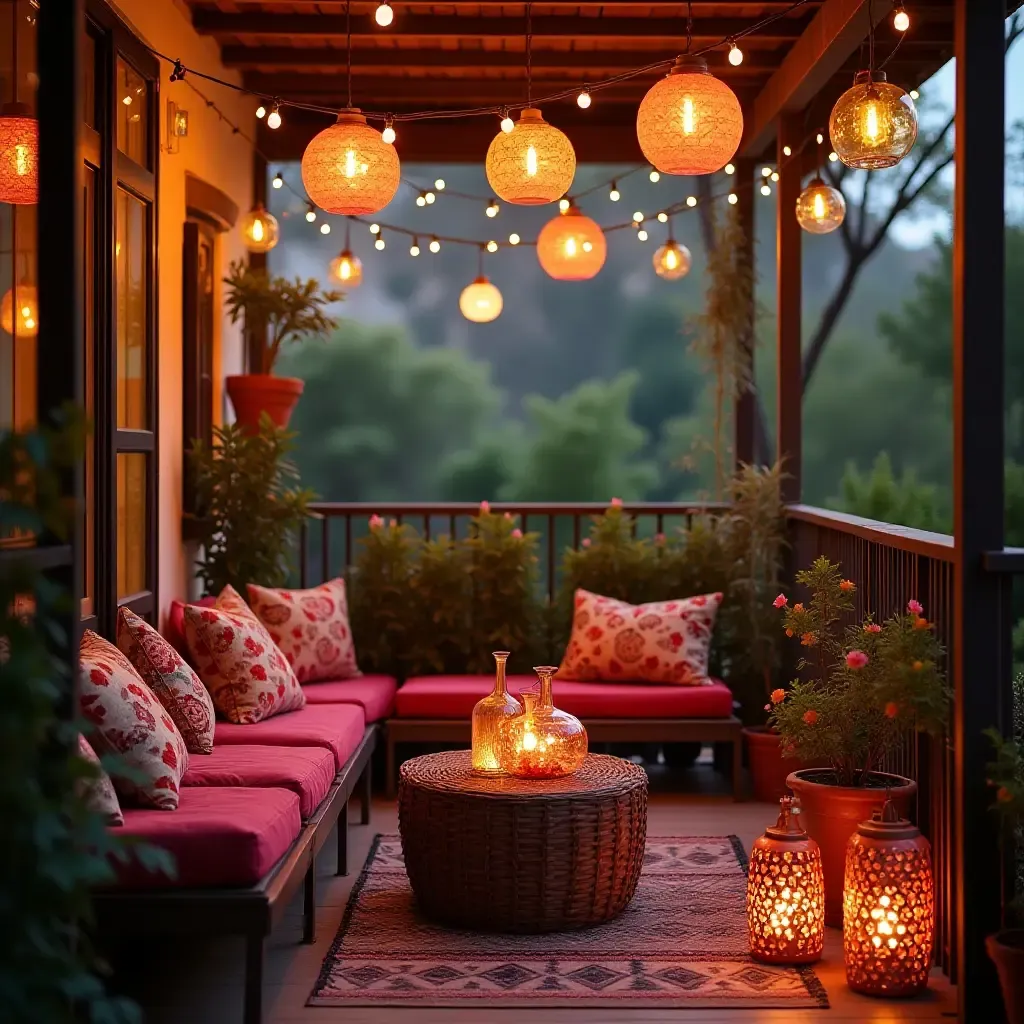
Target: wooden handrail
{"x":531,"y":508}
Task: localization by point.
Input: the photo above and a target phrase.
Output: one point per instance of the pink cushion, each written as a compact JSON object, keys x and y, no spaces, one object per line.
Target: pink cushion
{"x":338,"y":727}
{"x":218,"y":837}
{"x":374,"y":694}
{"x":174,"y":627}
{"x":306,"y":771}
{"x":448,"y":697}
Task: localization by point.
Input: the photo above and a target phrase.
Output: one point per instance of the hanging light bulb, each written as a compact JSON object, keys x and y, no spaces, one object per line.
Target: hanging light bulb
{"x":900,"y":18}
{"x":766,"y":189}
{"x":654,"y":175}
{"x":261,"y":112}
{"x":435,"y":245}
{"x":374,"y":229}
{"x":507,"y":124}
{"x":311,"y":213}
{"x":833,"y":156}
{"x":379,"y":244}
{"x":571,"y":247}
{"x":19,"y":311}
{"x":325,"y":228}
{"x":439,"y":184}
{"x":349,"y":169}
{"x":820,"y":208}
{"x":274,"y":117}
{"x":421,"y":199}
{"x":414,"y":249}
{"x":278,"y":181}
{"x":663,"y":217}
{"x":915,"y":95}
{"x":480,"y":301}
{"x":765,"y":172}
{"x":492,"y":246}
{"x":259,"y":230}
{"x":19,"y":155}
{"x":384,"y":15}
{"x":691,"y":201}
{"x":514,"y":239}
{"x":819,"y":138}
{"x":492,"y":208}
{"x":689,"y":122}
{"x":729,"y":168}
{"x":735,"y":54}
{"x":563,"y":204}
{"x":873,"y":124}
{"x":346,"y":269}
{"x":430,"y":198}
{"x":733,"y":199}
{"x":787,"y":150}
{"x":672,"y":261}
{"x":532,"y":165}
{"x":614,"y":195}
{"x":388,"y":135}
{"x":583,"y":100}
{"x":638,"y":217}
{"x":642,"y":235}
{"x":774,"y":175}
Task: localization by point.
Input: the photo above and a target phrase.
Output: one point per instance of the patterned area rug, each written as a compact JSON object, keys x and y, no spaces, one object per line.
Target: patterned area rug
{"x":682,"y":943}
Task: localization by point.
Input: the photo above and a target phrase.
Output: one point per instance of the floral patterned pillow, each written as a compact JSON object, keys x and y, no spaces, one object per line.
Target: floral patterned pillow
{"x":661,"y":642}
{"x":311,"y":629}
{"x":177,"y":687}
{"x":129,"y":721}
{"x":247,"y":676}
{"x":98,"y":792}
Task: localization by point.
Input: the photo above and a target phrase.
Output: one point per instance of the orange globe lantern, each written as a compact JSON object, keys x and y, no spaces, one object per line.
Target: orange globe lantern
{"x":888,"y":907}
{"x":19,"y":311}
{"x":480,"y":301}
{"x":19,"y":155}
{"x":531,"y":165}
{"x":349,"y":169}
{"x":786,"y":893}
{"x":873,"y":124}
{"x":690,"y":122}
{"x":820,"y":208}
{"x":571,"y":247}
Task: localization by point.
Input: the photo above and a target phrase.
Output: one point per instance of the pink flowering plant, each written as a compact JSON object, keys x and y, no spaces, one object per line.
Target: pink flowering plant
{"x":863,"y":684}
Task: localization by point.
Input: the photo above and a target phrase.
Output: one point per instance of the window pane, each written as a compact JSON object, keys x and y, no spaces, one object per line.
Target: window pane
{"x":19,"y":317}
{"x":131,"y":257}
{"x":89,"y":382}
{"x":131,"y":524}
{"x":132,"y":113}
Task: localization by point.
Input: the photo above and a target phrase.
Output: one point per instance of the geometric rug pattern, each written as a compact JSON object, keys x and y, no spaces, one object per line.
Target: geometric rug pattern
{"x":681,"y":943}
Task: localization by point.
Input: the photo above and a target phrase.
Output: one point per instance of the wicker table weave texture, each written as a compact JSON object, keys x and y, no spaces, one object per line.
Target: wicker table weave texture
{"x":518,"y":855}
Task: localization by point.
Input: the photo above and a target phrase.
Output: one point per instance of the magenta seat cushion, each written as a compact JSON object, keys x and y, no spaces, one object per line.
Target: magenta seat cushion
{"x":374,"y":694}
{"x":217,"y":836}
{"x":448,"y":697}
{"x":338,"y":727}
{"x":307,"y":771}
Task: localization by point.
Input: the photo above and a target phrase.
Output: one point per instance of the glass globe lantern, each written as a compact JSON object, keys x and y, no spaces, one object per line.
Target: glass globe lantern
{"x":689,"y":122}
{"x":786,"y":893}
{"x":480,"y":301}
{"x":259,"y":230}
{"x":19,"y":155}
{"x":19,"y":311}
{"x":531,"y":165}
{"x":488,"y":715}
{"x":873,"y":124}
{"x":349,"y":169}
{"x":820,"y":208}
{"x":346,"y":269}
{"x":542,"y":742}
{"x":672,"y":261}
{"x":571,"y":247}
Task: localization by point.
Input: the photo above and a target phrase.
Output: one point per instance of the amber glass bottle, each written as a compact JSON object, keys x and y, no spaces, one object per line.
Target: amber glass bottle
{"x":498,"y":706}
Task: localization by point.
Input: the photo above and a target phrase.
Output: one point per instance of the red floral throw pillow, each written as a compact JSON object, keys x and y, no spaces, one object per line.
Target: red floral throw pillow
{"x":98,"y":793}
{"x":247,"y":676}
{"x":177,"y":687}
{"x":311,"y":629}
{"x":129,"y":721}
{"x":661,"y":642}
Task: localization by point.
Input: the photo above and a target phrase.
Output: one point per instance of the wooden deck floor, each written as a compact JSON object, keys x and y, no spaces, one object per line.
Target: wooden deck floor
{"x":199,"y":981}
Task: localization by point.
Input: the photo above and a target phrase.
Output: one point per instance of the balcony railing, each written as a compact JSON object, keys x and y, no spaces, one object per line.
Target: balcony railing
{"x":889,"y":563}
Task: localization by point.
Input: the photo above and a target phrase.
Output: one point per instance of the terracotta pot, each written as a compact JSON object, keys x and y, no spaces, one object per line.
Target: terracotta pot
{"x":255,"y":393}
{"x":831,"y":814}
{"x":1006,"y":948}
{"x":768,"y":768}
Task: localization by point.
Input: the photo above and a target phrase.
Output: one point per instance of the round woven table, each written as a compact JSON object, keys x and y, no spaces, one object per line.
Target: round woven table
{"x":522,"y":855}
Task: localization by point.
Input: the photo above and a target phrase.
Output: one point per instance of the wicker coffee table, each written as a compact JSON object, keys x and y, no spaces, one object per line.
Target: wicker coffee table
{"x":522,"y":855}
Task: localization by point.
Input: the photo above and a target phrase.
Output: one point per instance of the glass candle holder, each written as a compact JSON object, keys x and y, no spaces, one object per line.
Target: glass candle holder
{"x":542,"y":742}
{"x":786,"y":893}
{"x":498,"y":706}
{"x":889,"y":907}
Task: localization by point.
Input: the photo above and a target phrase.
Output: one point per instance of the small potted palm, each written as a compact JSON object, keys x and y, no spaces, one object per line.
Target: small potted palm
{"x":864,"y":686}
{"x":276,"y":310}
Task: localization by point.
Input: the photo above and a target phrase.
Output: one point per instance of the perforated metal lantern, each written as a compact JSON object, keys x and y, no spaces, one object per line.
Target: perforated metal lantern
{"x":786,"y":893}
{"x":873,"y":124}
{"x":888,"y":907}
{"x":689,"y":122}
{"x":531,"y":165}
{"x":571,"y":247}
{"x":19,"y":155}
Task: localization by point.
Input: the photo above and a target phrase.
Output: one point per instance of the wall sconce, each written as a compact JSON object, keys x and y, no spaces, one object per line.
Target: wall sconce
{"x":177,"y":126}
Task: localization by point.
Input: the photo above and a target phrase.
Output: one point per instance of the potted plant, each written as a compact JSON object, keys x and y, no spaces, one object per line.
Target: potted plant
{"x":249,"y":506}
{"x":867,"y":684}
{"x":276,"y":311}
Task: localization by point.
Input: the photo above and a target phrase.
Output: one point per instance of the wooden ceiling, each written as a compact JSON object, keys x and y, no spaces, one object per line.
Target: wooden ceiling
{"x":437,"y":56}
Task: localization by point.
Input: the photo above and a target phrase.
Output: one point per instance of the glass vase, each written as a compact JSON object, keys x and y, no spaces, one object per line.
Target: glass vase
{"x":542,"y":742}
{"x":497,"y":707}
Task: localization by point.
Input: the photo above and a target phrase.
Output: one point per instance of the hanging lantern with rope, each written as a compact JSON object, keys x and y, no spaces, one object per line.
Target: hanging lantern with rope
{"x":820,"y":208}
{"x":345,"y":268}
{"x":571,"y":247}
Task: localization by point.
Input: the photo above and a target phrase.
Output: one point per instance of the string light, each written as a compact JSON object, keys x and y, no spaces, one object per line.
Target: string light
{"x":379,"y":244}
{"x":507,"y":124}
{"x":430,"y":198}
{"x":654,"y":175}
{"x":765,"y":172}
{"x":278,"y":181}
{"x":492,"y":246}
{"x":730,"y":168}
{"x":900,"y":18}
{"x":614,"y":195}
{"x":311,"y":213}
{"x":274,"y":117}
{"x":735,"y":55}
{"x":261,"y":112}
{"x":766,"y":189}
{"x":833,"y":156}
{"x":514,"y":239}
{"x":663,"y":217}
{"x":435,"y":245}
{"x":775,"y":175}
{"x":787,"y":150}
{"x":384,"y":15}
{"x":374,"y":229}
{"x":638,"y":217}
{"x":733,"y":199}
{"x":492,"y":208}
{"x":325,"y":228}
{"x":421,"y":199}
{"x":583,"y":100}
{"x":819,"y":138}
{"x":691,"y":201}
{"x":388,"y":135}
{"x":642,"y":235}
{"x":563,"y":205}
{"x":915,"y":95}
{"x":414,"y":249}
{"x":439,"y":184}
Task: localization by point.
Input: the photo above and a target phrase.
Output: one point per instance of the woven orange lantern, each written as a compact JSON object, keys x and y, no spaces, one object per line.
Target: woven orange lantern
{"x":571,"y":247}
{"x":820,"y":208}
{"x":873,"y":124}
{"x":531,"y":165}
{"x":19,"y":155}
{"x":349,"y":169}
{"x":888,"y":907}
{"x":690,"y":122}
{"x":786,"y":893}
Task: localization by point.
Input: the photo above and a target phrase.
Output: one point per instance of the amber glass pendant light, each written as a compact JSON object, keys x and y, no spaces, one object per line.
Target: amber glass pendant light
{"x":488,"y":715}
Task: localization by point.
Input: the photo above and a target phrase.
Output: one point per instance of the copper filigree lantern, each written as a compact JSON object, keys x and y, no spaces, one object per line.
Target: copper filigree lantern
{"x":786,"y":893}
{"x":497,"y":707}
{"x":889,"y":907}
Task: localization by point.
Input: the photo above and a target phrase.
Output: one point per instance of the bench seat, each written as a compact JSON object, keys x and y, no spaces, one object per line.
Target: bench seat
{"x":374,"y":694}
{"x":306,"y":771}
{"x":453,"y":697}
{"x":220,"y":837}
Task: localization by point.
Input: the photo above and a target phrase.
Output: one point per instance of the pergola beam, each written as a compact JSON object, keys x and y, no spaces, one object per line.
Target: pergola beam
{"x":826,"y":44}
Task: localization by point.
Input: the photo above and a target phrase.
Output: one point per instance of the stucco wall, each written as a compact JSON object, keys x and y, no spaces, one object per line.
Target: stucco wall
{"x":211,"y":152}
